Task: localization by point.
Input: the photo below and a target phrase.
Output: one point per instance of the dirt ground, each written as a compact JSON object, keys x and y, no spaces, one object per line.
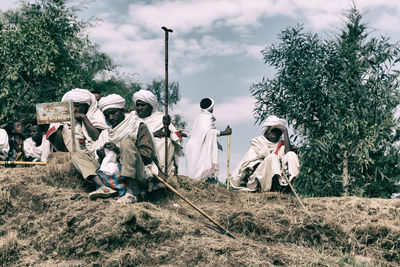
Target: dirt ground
{"x":46,"y":218}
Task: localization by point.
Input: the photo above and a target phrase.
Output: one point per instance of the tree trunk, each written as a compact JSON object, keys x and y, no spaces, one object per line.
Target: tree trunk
{"x":345,"y":173}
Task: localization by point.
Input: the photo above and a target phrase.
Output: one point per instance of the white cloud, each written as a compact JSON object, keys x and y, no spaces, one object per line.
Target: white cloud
{"x":388,"y":22}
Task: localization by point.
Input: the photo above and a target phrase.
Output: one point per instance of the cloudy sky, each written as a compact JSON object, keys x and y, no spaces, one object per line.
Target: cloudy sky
{"x":214,"y":50}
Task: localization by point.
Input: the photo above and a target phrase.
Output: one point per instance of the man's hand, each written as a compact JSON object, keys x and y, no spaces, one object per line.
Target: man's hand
{"x":160,"y":133}
{"x":101,"y":154}
{"x":111,"y":146}
{"x":79,"y":116}
{"x":227,"y":131}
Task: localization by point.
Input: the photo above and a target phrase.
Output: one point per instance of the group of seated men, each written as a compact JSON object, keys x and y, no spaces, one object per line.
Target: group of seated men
{"x":121,"y":152}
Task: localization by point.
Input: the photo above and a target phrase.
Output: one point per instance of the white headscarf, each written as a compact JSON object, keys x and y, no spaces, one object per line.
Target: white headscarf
{"x":147,"y":97}
{"x":210,"y":107}
{"x":111,"y":101}
{"x":272,"y":121}
{"x":79,"y":96}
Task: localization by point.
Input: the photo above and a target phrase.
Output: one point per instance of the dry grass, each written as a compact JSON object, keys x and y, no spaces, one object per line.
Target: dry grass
{"x":49,"y":220}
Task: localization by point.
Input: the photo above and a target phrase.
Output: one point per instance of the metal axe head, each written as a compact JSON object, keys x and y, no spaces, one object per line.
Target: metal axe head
{"x":166,"y":29}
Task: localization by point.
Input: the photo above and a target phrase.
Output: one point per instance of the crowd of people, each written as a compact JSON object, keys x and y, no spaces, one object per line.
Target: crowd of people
{"x":120,"y":152}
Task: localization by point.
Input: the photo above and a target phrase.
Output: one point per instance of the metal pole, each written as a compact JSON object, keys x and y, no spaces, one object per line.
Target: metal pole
{"x":166,"y":30}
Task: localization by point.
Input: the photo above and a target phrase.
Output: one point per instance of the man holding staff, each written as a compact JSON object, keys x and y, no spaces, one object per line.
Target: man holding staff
{"x":268,"y":156}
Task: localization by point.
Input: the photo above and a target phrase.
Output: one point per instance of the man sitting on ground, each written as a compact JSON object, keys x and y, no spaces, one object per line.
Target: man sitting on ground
{"x":36,"y":147}
{"x":268,"y":156}
{"x":146,"y":108}
{"x":4,"y":146}
{"x":132,"y":141}
{"x":89,"y":122}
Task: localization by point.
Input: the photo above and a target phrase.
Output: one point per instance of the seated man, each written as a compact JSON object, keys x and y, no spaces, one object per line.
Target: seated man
{"x":146,"y":108}
{"x":36,"y":147}
{"x":4,"y":146}
{"x":89,"y":122}
{"x":128,"y":137}
{"x":16,"y":141}
{"x":266,"y":159}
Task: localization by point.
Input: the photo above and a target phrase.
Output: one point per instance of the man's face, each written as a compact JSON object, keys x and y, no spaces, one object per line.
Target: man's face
{"x":18,"y":128}
{"x":114,"y":116}
{"x":143,"y":109}
{"x":36,"y":133}
{"x":81,"y":108}
{"x":97,"y":96}
{"x":273,"y":134}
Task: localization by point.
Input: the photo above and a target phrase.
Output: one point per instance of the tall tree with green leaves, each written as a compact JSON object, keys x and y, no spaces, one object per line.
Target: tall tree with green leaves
{"x":339,"y":94}
{"x":44,"y":52}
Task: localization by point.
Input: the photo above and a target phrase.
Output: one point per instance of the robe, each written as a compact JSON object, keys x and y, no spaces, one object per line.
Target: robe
{"x":39,"y":153}
{"x":4,"y":146}
{"x":201,"y":149}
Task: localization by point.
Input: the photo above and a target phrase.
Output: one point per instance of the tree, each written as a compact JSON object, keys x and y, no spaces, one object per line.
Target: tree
{"x":43,"y":54}
{"x":339,"y":93}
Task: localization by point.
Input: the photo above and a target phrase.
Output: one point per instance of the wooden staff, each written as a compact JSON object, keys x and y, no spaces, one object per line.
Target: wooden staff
{"x":191,"y":204}
{"x":14,"y":162}
{"x":227,"y":163}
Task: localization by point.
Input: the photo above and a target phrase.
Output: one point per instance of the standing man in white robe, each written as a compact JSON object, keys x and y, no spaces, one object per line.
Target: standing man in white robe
{"x":89,"y":122}
{"x":265,"y":160}
{"x":146,"y":108}
{"x":36,"y":147}
{"x":4,"y":146}
{"x":202,"y":147}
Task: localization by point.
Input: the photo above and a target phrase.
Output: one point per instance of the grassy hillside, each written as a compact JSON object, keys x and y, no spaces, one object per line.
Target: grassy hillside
{"x":46,"y":218}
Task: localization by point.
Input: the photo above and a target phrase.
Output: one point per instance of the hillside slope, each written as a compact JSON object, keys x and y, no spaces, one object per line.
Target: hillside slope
{"x":46,"y":218}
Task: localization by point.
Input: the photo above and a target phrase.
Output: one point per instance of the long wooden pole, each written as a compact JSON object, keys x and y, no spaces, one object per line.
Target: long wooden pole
{"x":227,"y":163}
{"x":166,"y":30}
{"x":13,"y":162}
{"x":191,"y":204}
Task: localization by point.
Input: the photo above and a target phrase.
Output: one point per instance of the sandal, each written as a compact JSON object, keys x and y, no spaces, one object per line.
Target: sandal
{"x":102,"y":192}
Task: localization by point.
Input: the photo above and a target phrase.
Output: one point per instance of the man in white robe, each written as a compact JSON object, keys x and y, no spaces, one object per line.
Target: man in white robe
{"x":146,"y":108}
{"x":265,"y":160}
{"x":128,"y":137}
{"x":37,"y":147}
{"x":4,"y":146}
{"x":202,"y":147}
{"x":89,"y":123}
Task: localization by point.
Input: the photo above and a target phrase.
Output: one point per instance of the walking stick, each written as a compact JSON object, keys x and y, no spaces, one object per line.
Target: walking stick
{"x":298,"y":198}
{"x":227,"y":163}
{"x":166,"y":30}
{"x":14,"y":162}
{"x":191,"y":204}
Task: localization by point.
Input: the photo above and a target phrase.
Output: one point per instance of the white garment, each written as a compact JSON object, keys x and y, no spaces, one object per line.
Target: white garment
{"x":201,"y":149}
{"x":111,"y":101}
{"x":39,"y":153}
{"x":4,"y":146}
{"x":109,"y":164}
{"x":272,"y":121}
{"x":94,"y":115}
{"x":262,"y":161}
{"x":128,"y":128}
{"x":154,"y":122}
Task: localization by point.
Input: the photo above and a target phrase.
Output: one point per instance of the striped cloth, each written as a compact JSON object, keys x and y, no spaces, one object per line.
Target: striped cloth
{"x":113,"y":180}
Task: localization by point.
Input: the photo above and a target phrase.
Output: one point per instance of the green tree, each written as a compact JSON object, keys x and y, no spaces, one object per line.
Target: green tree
{"x":44,"y":53}
{"x":339,"y":94}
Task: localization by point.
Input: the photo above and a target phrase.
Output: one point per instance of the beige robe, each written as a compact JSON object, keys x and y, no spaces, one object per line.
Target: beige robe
{"x":154,"y":122}
{"x":262,"y":161}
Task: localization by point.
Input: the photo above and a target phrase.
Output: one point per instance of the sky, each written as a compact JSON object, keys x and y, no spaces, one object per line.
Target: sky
{"x":215,"y":48}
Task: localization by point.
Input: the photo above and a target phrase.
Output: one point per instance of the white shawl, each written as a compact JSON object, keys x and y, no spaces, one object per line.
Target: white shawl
{"x":39,"y":153}
{"x":201,"y":149}
{"x":4,"y":146}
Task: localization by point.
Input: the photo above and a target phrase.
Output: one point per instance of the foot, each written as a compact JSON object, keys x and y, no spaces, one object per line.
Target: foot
{"x":127,"y":199}
{"x":102,"y":192}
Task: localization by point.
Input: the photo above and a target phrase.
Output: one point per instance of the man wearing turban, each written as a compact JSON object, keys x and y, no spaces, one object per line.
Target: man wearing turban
{"x":146,"y":108}
{"x":89,"y":122}
{"x":128,"y":137}
{"x":268,"y":156}
{"x":202,"y":147}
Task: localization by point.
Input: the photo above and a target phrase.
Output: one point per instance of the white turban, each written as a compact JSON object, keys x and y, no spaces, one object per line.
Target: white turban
{"x":78,"y":96}
{"x":147,"y":97}
{"x":111,"y":101}
{"x":272,"y":121}
{"x":211,"y":106}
